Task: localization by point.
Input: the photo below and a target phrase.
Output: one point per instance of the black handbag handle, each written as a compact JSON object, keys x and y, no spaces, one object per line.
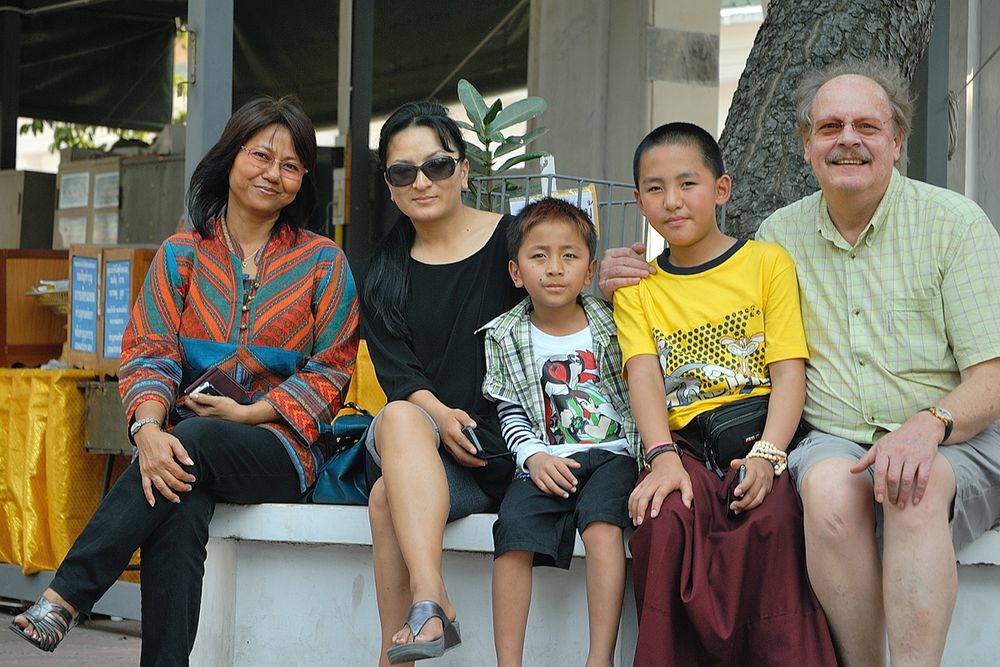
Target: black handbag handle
{"x":357,"y":408}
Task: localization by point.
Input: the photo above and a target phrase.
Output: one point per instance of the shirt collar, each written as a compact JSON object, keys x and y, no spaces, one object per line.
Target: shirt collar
{"x":828,"y":230}
{"x":602,"y":323}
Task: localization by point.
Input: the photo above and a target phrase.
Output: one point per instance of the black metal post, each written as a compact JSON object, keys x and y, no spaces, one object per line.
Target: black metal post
{"x":10,"y":79}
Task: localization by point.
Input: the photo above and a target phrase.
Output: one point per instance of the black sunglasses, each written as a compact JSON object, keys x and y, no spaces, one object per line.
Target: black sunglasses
{"x":436,"y":169}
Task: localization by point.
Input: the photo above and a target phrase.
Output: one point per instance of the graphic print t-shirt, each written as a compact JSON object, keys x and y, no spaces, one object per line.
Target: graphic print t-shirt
{"x":578,"y":414}
{"x":715,"y":327}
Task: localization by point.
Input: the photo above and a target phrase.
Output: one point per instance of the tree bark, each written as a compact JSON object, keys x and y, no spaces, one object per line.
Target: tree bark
{"x":760,"y":143}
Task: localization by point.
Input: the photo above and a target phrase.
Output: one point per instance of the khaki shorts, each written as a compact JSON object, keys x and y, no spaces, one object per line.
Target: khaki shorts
{"x":976,"y":464}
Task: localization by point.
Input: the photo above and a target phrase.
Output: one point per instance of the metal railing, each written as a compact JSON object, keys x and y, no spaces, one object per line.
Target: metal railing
{"x":610,"y":204}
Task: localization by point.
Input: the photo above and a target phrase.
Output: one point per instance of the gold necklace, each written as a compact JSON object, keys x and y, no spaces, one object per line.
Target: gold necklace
{"x":237,"y":249}
{"x":256,"y":256}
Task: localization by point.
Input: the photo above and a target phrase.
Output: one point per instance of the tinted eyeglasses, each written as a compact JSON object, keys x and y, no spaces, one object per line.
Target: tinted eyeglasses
{"x":289,"y":169}
{"x":436,"y":169}
{"x":830,"y":128}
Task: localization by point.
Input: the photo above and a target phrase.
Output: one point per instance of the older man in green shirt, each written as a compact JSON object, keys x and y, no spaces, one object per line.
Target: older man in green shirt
{"x":901,"y":306}
{"x":900,"y":286}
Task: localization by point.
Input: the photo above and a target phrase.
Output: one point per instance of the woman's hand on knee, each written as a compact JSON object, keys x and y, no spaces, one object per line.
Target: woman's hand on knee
{"x":450,"y":423}
{"x":160,"y":456}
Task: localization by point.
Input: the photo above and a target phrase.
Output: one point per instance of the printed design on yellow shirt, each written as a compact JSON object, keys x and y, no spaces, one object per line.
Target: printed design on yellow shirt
{"x":713,"y":359}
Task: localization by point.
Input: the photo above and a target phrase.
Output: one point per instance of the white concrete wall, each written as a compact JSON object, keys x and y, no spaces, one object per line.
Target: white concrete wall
{"x":268,"y":601}
{"x":988,"y":110}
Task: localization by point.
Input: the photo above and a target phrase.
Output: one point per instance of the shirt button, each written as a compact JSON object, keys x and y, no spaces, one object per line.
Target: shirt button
{"x":243,"y":327}
{"x":246,"y":308}
{"x":861,"y":362}
{"x":851,"y":255}
{"x":857,"y":311}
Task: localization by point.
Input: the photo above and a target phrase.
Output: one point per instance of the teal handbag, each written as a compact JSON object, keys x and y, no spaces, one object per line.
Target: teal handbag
{"x":341,"y":480}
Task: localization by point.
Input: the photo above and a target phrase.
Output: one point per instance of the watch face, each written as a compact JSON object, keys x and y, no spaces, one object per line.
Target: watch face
{"x":944,"y":413}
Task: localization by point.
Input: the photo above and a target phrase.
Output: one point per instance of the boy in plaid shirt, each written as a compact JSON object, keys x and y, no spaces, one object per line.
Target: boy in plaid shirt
{"x":554,"y":368}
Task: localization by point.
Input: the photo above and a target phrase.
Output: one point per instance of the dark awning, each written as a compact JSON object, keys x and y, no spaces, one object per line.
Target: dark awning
{"x":110,"y":62}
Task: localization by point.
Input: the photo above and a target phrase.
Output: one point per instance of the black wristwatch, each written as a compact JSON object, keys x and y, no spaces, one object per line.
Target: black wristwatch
{"x":943,"y":416}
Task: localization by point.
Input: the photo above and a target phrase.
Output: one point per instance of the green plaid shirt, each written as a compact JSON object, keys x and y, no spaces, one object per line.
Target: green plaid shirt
{"x":512,"y":374}
{"x":891,"y":321}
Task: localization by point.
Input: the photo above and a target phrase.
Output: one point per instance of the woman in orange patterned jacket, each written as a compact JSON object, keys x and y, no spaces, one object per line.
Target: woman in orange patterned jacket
{"x":248,"y":292}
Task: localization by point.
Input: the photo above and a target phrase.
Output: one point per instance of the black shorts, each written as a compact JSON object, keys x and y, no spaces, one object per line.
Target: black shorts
{"x":532,"y":520}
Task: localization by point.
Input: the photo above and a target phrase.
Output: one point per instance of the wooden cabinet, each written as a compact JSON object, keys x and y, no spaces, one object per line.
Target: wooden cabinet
{"x":152,"y":198}
{"x":27,"y":199}
{"x":31,"y":333}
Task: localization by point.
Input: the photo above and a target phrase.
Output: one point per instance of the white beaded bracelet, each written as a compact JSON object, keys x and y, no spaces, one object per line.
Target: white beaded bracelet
{"x":762,"y":449}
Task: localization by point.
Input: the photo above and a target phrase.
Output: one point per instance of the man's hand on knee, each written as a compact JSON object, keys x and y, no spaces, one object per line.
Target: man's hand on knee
{"x":903,"y":461}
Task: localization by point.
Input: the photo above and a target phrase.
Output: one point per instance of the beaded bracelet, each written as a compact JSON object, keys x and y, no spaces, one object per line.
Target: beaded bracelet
{"x":762,"y":449}
{"x":653,"y":452}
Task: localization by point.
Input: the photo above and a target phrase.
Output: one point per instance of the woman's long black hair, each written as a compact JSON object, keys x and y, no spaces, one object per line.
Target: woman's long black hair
{"x":387,"y":282}
{"x":208,"y":192}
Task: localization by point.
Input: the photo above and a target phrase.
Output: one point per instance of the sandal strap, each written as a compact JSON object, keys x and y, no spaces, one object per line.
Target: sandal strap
{"x":423,"y":611}
{"x":51,"y":621}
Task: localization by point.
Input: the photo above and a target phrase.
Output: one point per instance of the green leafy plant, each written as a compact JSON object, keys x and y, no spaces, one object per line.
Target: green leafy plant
{"x":488,"y":124}
{"x":71,"y":135}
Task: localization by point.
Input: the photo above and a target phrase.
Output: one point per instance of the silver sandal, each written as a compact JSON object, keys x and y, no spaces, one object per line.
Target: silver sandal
{"x":51,"y":622}
{"x":420,"y":613}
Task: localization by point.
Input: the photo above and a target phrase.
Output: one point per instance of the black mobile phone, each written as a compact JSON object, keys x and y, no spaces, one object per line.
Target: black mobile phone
{"x":470,"y":435}
{"x":731,"y":497}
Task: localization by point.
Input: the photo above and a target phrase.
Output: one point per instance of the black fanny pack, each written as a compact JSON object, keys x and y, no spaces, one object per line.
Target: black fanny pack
{"x":727,"y":432}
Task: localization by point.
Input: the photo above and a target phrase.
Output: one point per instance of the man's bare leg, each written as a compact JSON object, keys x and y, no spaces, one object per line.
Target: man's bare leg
{"x":920,"y":578}
{"x":843,"y":559}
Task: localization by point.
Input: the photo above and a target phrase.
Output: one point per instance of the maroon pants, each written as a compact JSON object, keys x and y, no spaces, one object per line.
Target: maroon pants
{"x":715,"y":590}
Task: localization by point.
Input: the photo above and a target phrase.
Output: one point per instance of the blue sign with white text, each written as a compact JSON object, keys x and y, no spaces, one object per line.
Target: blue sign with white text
{"x":117,"y":281}
{"x":83,"y":311}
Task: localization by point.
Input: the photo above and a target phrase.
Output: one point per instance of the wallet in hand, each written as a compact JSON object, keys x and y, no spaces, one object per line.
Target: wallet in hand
{"x":215,"y":382}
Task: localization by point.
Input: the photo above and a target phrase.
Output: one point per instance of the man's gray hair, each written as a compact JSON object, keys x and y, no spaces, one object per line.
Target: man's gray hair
{"x":881,"y":72}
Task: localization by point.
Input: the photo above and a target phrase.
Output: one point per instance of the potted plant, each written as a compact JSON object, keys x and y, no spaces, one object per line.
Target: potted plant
{"x":488,"y":124}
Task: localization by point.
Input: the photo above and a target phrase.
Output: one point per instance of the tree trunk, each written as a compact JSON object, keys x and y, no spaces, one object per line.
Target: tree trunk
{"x":760,"y":143}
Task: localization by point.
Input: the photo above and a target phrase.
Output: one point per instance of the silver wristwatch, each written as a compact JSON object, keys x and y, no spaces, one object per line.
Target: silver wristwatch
{"x":139,"y":423}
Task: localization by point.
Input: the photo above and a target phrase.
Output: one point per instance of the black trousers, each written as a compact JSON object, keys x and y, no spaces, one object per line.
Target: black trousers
{"x":232,"y":463}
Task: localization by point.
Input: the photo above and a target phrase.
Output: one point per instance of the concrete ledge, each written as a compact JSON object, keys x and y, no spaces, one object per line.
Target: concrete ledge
{"x":984,"y":551}
{"x":284,"y":576}
{"x":299,"y":577}
{"x":337,"y":525}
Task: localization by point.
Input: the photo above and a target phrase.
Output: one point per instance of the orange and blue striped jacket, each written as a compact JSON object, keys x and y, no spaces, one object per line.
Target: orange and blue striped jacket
{"x":289,"y":337}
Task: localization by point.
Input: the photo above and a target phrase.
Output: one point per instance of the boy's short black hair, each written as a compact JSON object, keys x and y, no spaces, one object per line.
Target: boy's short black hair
{"x":687,"y":134}
{"x":550,"y":208}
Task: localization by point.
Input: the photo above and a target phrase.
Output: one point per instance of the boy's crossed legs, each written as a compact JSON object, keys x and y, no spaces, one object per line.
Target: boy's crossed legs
{"x":535,"y":528}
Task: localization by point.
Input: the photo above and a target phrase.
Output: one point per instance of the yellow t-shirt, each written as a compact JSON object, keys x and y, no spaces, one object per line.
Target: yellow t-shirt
{"x":714,"y":327}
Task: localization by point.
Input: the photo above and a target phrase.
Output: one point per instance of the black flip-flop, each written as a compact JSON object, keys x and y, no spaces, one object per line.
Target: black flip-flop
{"x":419,"y":614}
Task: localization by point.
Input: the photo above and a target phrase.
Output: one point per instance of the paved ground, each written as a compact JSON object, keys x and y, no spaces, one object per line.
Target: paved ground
{"x":100,"y":642}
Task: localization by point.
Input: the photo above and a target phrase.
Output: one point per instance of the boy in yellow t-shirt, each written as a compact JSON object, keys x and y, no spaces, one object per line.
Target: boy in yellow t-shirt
{"x":718,"y":324}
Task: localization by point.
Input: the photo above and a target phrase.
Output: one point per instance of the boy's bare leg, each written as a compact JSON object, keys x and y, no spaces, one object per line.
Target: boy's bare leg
{"x":605,"y":589}
{"x":511,"y":600}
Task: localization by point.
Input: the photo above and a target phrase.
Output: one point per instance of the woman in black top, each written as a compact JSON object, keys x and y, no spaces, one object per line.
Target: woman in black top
{"x":439,"y":275}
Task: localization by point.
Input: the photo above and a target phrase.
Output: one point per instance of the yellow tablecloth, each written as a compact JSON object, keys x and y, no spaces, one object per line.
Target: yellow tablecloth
{"x":49,"y":485}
